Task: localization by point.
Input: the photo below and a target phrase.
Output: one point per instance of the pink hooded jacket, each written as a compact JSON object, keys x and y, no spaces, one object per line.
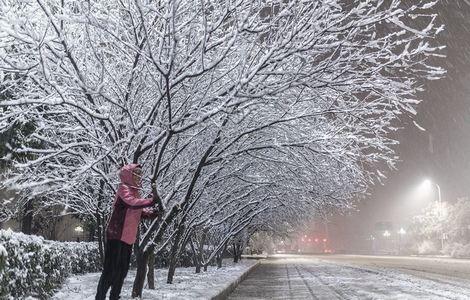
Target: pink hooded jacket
{"x":127,"y":208}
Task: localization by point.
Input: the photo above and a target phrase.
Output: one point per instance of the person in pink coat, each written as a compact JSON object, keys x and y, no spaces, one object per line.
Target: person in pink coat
{"x":121,"y":232}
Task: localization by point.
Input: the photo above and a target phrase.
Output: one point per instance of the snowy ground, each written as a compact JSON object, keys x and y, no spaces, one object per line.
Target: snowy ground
{"x":187,"y":284}
{"x":353,"y":277}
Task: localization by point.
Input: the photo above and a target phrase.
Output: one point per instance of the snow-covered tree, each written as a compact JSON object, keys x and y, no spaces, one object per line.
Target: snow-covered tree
{"x":296,"y":98}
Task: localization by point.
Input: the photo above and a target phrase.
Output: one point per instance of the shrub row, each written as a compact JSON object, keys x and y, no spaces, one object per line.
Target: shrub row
{"x":32,"y":266}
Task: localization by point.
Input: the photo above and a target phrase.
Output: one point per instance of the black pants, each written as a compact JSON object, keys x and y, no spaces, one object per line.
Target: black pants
{"x":117,"y":257}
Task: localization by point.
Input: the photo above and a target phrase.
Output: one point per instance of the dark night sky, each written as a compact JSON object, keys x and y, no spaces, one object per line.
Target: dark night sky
{"x":445,"y":114}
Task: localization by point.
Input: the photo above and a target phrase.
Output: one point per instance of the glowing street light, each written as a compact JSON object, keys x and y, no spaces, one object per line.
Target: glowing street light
{"x":387,"y":233}
{"x":401,"y":232}
{"x":79,"y":231}
{"x":428,"y":184}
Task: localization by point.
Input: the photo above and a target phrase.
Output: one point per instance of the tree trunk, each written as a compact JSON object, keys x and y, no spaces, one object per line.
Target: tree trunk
{"x":142,"y":262}
{"x":100,"y":234}
{"x":239,"y":251}
{"x":100,"y":223}
{"x":219,"y":260}
{"x":174,"y":255}
{"x":151,"y":271}
{"x":196,"y":261}
{"x":220,"y":256}
{"x":27,"y":218}
{"x":201,"y":249}
{"x":235,"y":253}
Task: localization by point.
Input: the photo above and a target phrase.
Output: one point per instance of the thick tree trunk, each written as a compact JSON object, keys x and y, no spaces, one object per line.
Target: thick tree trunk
{"x":142,"y":262}
{"x":27,"y":218}
{"x":219,"y":261}
{"x":201,"y":249}
{"x":174,"y":255}
{"x":235,"y":253}
{"x":195,"y":257}
{"x":220,"y":256}
{"x":151,"y":271}
{"x":239,"y":252}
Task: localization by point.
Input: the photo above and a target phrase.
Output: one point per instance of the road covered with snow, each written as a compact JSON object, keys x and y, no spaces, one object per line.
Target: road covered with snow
{"x":356,"y":277}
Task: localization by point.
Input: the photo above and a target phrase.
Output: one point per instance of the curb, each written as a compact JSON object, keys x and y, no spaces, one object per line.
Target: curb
{"x":233,"y":285}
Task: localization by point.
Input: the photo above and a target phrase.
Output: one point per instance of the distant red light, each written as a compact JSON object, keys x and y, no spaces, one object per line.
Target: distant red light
{"x":324,"y":240}
{"x":316,"y":240}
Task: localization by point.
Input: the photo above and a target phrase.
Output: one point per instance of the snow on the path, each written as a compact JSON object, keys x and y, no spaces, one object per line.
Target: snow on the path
{"x":351,"y":282}
{"x":186,"y":284}
{"x":310,"y":278}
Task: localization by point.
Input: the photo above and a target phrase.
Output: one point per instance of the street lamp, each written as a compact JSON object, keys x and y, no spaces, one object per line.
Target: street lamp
{"x":428,"y":184}
{"x":79,"y":231}
{"x":401,"y":232}
{"x":387,"y":233}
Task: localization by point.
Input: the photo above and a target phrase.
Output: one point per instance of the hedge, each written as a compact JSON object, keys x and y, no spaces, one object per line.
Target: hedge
{"x":32,"y":266}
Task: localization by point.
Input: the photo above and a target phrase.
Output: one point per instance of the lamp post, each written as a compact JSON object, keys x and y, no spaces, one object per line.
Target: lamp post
{"x":429,"y":183}
{"x":401,"y":232}
{"x":386,"y":234}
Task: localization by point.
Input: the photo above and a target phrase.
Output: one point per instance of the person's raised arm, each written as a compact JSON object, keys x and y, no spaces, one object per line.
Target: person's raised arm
{"x":131,"y":199}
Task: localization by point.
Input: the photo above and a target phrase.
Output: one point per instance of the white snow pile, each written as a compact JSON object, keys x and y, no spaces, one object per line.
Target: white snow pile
{"x":32,"y":266}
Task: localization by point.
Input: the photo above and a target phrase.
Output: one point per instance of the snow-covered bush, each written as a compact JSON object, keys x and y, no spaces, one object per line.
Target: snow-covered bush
{"x":457,"y":250}
{"x":32,"y":266}
{"x":427,"y":247}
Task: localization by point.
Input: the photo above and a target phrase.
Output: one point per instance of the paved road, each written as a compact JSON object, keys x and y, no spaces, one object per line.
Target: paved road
{"x":356,"y":277}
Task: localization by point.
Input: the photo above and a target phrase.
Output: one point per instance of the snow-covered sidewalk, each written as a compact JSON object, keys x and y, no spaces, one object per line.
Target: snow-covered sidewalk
{"x":186,"y":284}
{"x":309,"y":277}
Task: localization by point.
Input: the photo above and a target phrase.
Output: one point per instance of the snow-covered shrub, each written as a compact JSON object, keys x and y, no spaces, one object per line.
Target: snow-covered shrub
{"x":457,"y":250}
{"x":427,"y":247}
{"x":34,"y":266}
